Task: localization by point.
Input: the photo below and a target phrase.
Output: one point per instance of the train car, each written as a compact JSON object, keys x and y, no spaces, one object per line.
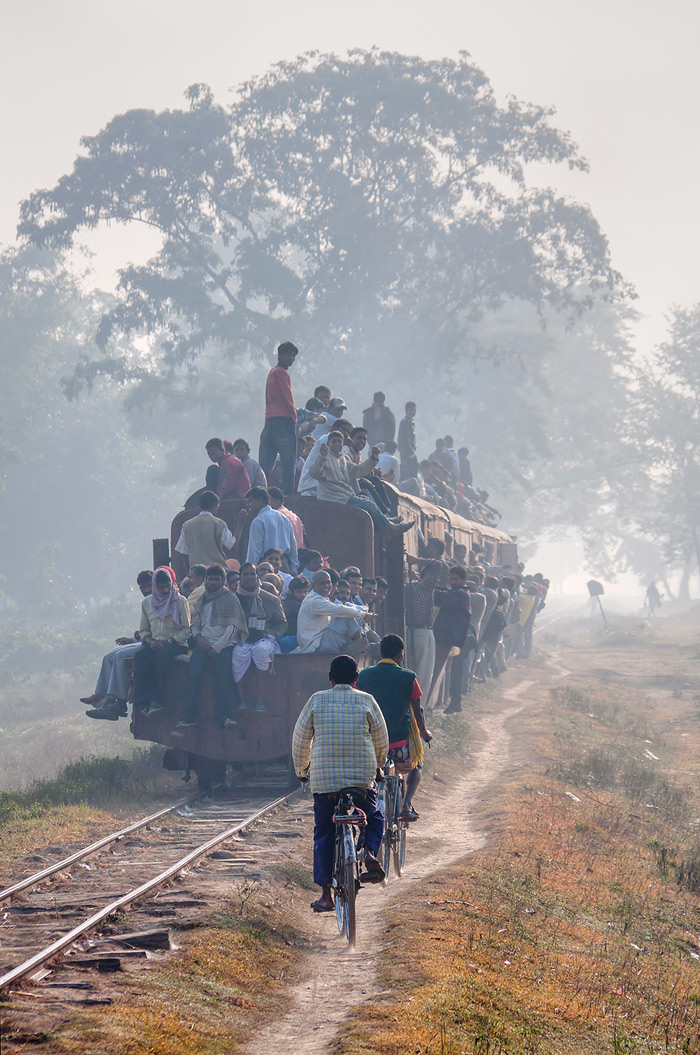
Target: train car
{"x":345,"y":536}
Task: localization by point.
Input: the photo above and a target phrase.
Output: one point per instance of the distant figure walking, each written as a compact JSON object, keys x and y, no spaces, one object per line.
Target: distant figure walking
{"x":653,"y":598}
{"x":279,"y":434}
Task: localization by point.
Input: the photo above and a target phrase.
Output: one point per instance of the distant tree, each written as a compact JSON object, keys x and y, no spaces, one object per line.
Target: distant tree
{"x":669,"y":427}
{"x":373,"y":203}
{"x":76,"y":506}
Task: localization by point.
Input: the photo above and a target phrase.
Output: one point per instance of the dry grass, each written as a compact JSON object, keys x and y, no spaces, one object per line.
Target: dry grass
{"x":201,"y":1003}
{"x":576,"y":929}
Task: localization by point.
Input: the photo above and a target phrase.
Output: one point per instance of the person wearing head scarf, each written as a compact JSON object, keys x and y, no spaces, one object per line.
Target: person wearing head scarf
{"x":164,"y":631}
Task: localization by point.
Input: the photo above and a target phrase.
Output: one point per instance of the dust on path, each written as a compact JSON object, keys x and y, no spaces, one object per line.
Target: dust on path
{"x":340,"y":979}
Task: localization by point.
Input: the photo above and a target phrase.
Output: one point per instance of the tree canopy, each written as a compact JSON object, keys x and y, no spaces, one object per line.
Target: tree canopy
{"x":369,"y":203}
{"x":377,"y":209}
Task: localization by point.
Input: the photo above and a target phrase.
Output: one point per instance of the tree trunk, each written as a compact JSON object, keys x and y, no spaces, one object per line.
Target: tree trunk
{"x":684,"y":584}
{"x":667,"y":587}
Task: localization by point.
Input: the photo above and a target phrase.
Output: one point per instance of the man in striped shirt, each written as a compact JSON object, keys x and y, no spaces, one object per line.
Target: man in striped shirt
{"x":340,"y":740}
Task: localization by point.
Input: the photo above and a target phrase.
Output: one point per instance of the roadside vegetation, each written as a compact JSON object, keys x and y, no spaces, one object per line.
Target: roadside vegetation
{"x":575,"y":930}
{"x":84,"y":798}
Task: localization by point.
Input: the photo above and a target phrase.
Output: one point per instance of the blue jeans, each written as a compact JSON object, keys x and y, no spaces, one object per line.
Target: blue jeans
{"x":324,"y":830}
{"x":380,"y":521}
{"x":279,"y":437}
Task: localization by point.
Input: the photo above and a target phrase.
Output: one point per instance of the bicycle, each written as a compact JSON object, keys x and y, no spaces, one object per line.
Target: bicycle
{"x":349,"y":822}
{"x":391,"y":795}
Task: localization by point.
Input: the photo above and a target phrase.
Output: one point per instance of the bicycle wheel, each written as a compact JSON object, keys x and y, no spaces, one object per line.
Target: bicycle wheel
{"x":400,"y":849}
{"x":338,"y":885}
{"x":350,"y":890}
{"x":386,"y":848}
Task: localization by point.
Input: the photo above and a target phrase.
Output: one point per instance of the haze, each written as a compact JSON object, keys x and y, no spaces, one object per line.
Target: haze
{"x":621,"y":77}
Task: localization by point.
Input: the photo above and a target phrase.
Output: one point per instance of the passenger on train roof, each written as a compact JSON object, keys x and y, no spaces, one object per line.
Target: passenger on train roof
{"x":307,"y":484}
{"x":277,"y":502}
{"x":335,"y":473}
{"x":192,"y":586}
{"x":241,"y":449}
{"x":233,"y":479}
{"x":206,"y":539}
{"x":379,"y":421}
{"x":335,"y":410}
{"x":266,"y":622}
{"x":278,"y":436}
{"x":217,"y":625}
{"x":269,"y":529}
{"x":164,"y":631}
{"x":313,"y":562}
{"x":316,"y":613}
{"x":297,"y":591}
{"x":108,"y":701}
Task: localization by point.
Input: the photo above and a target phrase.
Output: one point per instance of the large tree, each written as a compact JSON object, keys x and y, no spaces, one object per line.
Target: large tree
{"x":375,"y":208}
{"x":376,"y":203}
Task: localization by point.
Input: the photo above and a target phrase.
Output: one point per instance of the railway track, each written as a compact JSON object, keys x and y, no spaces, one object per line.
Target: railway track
{"x":52,"y":913}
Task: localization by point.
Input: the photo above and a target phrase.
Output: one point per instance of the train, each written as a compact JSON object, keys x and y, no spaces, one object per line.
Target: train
{"x":346,"y":536}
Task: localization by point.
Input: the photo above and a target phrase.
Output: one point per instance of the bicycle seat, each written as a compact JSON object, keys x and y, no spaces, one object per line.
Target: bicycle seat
{"x":361,"y":792}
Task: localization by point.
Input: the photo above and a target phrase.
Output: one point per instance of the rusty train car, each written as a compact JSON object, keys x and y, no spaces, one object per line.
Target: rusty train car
{"x":346,"y":536}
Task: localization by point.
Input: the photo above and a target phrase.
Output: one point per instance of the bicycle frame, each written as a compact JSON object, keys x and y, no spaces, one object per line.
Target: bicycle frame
{"x":392,"y":791}
{"x":349,"y":822}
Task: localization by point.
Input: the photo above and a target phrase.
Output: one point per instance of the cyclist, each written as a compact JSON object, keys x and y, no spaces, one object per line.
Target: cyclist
{"x":340,"y":741}
{"x":398,"y":694}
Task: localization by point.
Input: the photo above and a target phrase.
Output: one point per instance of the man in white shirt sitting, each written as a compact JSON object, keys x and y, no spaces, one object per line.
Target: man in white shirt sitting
{"x":315,"y":614}
{"x":217,"y":625}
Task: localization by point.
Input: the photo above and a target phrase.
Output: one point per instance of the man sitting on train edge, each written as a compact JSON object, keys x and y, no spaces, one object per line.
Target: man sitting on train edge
{"x":218,"y":624}
{"x":164,"y":632}
{"x":316,"y":613}
{"x":340,"y":741}
{"x":192,"y":586}
{"x":265,"y":622}
{"x":398,"y":694}
{"x":109,"y":698}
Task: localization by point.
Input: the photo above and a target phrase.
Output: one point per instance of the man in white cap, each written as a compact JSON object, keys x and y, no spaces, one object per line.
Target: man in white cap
{"x":335,"y":409}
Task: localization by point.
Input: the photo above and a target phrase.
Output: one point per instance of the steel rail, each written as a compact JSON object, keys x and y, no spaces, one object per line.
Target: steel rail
{"x":79,"y":855}
{"x":556,"y":616}
{"x":48,"y":953}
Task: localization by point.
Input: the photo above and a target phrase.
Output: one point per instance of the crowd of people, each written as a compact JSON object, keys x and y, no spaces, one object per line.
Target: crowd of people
{"x":238,"y":606}
{"x":315,"y":450}
{"x":260,"y":590}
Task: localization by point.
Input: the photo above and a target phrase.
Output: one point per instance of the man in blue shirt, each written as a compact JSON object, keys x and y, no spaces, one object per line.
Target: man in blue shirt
{"x":268,"y":530}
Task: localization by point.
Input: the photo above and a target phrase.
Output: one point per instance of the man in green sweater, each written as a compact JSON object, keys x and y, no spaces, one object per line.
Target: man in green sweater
{"x":398,"y":694}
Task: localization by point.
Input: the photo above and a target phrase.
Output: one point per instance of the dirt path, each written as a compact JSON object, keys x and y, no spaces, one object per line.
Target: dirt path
{"x":340,"y":979}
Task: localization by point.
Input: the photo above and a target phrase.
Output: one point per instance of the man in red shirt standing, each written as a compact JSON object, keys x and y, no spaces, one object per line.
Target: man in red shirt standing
{"x":233,"y":476}
{"x":279,"y":434}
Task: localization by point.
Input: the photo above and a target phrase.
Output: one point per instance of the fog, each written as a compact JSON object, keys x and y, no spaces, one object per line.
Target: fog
{"x":505,"y":237}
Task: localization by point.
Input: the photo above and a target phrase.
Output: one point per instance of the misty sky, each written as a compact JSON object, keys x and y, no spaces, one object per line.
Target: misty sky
{"x":621,"y":74}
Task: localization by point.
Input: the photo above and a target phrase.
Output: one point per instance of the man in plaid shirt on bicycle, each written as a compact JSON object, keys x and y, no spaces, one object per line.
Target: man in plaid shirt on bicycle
{"x":340,"y":741}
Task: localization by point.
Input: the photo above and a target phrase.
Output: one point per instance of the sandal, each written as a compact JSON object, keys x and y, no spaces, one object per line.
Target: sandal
{"x":318,"y":907}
